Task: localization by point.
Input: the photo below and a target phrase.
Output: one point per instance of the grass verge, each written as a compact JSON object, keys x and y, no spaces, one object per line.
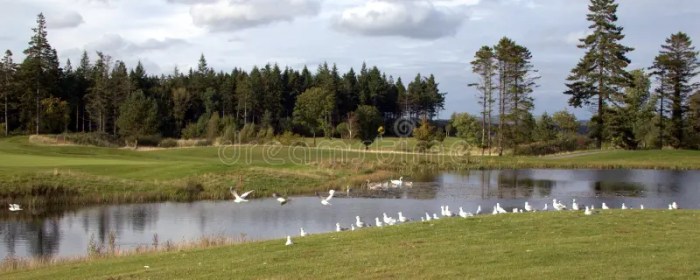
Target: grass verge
{"x":631,"y":244}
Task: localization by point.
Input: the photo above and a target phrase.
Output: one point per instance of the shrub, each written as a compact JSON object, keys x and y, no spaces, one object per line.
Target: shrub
{"x":168,"y":143}
{"x":2,"y":129}
{"x":202,"y":143}
{"x":149,"y":140}
{"x":92,"y":139}
{"x":190,"y":131}
{"x":247,"y":133}
{"x":190,"y":190}
{"x":230,"y":135}
{"x":290,"y":139}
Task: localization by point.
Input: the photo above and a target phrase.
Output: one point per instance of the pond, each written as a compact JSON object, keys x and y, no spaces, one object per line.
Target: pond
{"x":67,"y":233}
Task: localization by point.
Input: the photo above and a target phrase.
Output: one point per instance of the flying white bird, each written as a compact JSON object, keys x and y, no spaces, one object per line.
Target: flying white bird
{"x":281,"y":199}
{"x":15,"y":207}
{"x":289,"y":241}
{"x":239,"y":198}
{"x":325,"y":201}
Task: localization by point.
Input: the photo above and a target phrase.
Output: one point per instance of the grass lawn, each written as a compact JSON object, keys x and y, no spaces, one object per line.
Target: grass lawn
{"x":617,"y":244}
{"x":30,"y":173}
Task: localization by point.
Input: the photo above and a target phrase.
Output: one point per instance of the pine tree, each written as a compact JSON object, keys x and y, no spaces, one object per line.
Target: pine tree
{"x":39,"y":73}
{"x":600,"y":75}
{"x":7,"y":69}
{"x":120,"y":87}
{"x":675,"y":67}
{"x":484,"y":66}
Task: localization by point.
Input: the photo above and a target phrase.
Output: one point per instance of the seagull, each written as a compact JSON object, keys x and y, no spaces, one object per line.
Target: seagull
{"x":398,"y":182}
{"x":557,"y":205}
{"x":545,"y":207}
{"x":478,"y":210}
{"x":515,"y":210}
{"x":670,"y":207}
{"x":435,"y":217}
{"x":528,"y":208}
{"x":325,"y":201}
{"x":359,"y":222}
{"x":674,"y":205}
{"x":352,"y":227}
{"x":281,"y":199}
{"x":574,"y":205}
{"x":462,"y":213}
{"x":422,"y":219}
{"x":389,"y":221}
{"x":604,"y":206}
{"x":289,"y":241}
{"x":239,"y":198}
{"x":447,"y":212}
{"x":302,"y":233}
{"x":15,"y":207}
{"x":495,"y":211}
{"x":623,"y":206}
{"x":428,"y":218}
{"x":588,"y":211}
{"x":378,"y":222}
{"x":500,"y":209}
{"x":641,"y":207}
{"x":402,"y":218}
{"x":338,"y":228}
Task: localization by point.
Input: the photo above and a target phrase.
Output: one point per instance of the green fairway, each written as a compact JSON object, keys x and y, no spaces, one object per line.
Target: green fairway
{"x":614,"y":244}
{"x":30,"y":173}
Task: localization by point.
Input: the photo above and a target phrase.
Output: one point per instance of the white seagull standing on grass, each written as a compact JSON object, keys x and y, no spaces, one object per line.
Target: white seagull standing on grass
{"x":239,"y":198}
{"x":528,"y":207}
{"x":359,"y":223}
{"x":588,"y":211}
{"x":604,"y":206}
{"x":302,"y":233}
{"x":402,"y":219}
{"x":574,"y":205}
{"x":478,"y":210}
{"x":289,"y":241}
{"x":325,"y":201}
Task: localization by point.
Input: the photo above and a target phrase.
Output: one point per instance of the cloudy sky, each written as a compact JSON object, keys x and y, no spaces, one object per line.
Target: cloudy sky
{"x":402,"y":37}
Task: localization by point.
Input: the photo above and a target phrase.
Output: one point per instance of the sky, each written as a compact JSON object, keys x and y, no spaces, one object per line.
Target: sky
{"x":401,"y":37}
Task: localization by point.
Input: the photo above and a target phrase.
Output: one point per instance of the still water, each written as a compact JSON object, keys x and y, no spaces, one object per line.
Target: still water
{"x":67,"y":233}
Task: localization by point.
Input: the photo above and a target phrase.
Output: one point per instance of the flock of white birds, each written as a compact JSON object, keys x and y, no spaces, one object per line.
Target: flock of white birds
{"x":445,"y":211}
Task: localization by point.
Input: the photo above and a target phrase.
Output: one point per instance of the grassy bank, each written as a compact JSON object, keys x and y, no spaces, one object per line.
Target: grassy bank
{"x":553,"y":245}
{"x":36,"y":174}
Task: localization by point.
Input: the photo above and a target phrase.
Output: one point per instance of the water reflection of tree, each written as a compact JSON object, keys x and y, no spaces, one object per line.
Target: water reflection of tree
{"x":43,"y":237}
{"x":512,"y":184}
{"x":426,"y":184}
{"x":607,"y":188}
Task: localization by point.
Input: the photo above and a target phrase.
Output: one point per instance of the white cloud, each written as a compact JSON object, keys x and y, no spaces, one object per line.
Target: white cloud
{"x":232,"y":15}
{"x":66,"y":20}
{"x":573,"y":38}
{"x":420,"y":19}
{"x":116,"y":45}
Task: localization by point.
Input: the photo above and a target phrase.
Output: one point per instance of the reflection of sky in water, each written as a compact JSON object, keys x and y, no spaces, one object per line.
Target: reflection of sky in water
{"x":68,"y":234}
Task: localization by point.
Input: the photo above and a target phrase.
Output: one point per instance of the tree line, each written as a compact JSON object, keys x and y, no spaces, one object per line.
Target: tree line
{"x":629,"y":113}
{"x":42,"y":96}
